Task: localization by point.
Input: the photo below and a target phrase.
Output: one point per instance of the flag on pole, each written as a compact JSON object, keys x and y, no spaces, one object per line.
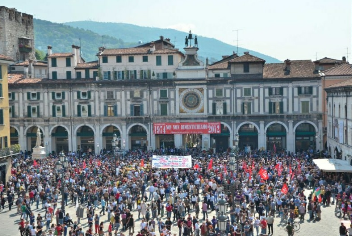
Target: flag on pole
{"x":264,"y":174}
{"x":284,"y":189}
{"x":35,"y":163}
{"x":210,"y":166}
{"x":142,"y":163}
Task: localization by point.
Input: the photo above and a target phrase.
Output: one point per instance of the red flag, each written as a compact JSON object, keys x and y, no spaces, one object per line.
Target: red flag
{"x":196,"y":166}
{"x":225,"y":170}
{"x":35,"y":163}
{"x":84,"y":165}
{"x":261,"y":170}
{"x":210,"y":166}
{"x":290,"y":170}
{"x":99,"y":163}
{"x":142,"y":163}
{"x":264,"y":174}
{"x":244,"y":166}
{"x":274,"y":147}
{"x":250,"y":173}
{"x":319,"y":198}
{"x":284,"y":189}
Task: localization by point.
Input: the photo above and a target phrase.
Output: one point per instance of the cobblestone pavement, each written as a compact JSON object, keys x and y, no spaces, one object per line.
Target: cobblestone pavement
{"x":327,"y":226}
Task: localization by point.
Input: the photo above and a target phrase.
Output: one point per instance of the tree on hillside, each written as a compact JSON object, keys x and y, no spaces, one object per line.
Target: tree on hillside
{"x":40,"y":55}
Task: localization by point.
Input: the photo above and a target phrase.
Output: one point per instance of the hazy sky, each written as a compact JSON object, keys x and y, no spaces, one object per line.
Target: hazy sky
{"x":299,"y":29}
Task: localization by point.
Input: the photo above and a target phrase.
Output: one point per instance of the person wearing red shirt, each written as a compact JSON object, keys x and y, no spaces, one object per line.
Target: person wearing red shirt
{"x":59,"y":229}
{"x":168,"y":211}
{"x":263,"y":225}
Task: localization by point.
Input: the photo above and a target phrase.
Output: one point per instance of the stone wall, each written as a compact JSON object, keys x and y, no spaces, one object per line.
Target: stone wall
{"x":14,"y":25}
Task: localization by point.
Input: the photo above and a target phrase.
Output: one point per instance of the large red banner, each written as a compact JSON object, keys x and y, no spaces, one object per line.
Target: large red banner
{"x":188,"y":128}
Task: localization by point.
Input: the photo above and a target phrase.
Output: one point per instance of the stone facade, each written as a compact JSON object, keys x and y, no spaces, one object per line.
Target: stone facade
{"x":16,"y":34}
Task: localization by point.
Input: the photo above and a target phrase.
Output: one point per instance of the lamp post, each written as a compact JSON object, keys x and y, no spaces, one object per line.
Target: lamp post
{"x":98,"y":149}
{"x":222,"y":205}
{"x":123,"y":145}
{"x":115,"y":146}
{"x":61,"y":166}
{"x":222,"y":220}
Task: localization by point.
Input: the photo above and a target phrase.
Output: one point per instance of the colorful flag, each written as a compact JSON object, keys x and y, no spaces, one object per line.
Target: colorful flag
{"x":196,"y":166}
{"x":35,"y":163}
{"x":210,"y":166}
{"x":142,"y":163}
{"x":99,"y":163}
{"x":244,"y":166}
{"x":84,"y":165}
{"x":264,"y":174}
{"x":284,"y":189}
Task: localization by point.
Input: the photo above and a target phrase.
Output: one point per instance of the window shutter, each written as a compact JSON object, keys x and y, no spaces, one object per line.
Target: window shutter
{"x":29,"y":111}
{"x":79,"y":110}
{"x":115,"y":110}
{"x":38,"y":111}
{"x":214,"y":108}
{"x":243,"y":108}
{"x":38,"y":95}
{"x":1,"y":116}
{"x":54,"y":111}
{"x":270,"y":108}
{"x":89,"y":110}
{"x":270,"y":91}
{"x":135,"y":74}
{"x":123,"y":75}
{"x":311,"y":90}
{"x":141,"y":110}
{"x":299,"y":89}
{"x":109,"y":75}
{"x":28,"y":96}
{"x":63,"y":95}
{"x":53,"y":95}
{"x":0,"y":71}
{"x":105,"y":110}
{"x":1,"y":93}
{"x":78,"y":95}
{"x":131,"y":111}
{"x":13,"y":94}
{"x":281,"y":91}
{"x":281,"y":107}
{"x":13,"y":114}
{"x":249,"y":108}
{"x":224,"y":107}
{"x":89,"y":96}
{"x":163,"y":109}
{"x":63,"y":111}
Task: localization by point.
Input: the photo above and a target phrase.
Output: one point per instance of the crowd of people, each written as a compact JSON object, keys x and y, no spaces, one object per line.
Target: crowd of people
{"x":122,"y":196}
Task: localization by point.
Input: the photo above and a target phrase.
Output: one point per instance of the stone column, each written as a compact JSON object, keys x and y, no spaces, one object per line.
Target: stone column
{"x":97,"y":139}
{"x":319,"y":141}
{"x":46,"y":105}
{"x":290,"y":98}
{"x":290,"y":137}
{"x":47,"y":139}
{"x":205,"y":141}
{"x":261,"y":94}
{"x":261,"y":135}
{"x":22,"y":138}
{"x":178,"y":141}
{"x":125,"y":137}
{"x":20,"y":104}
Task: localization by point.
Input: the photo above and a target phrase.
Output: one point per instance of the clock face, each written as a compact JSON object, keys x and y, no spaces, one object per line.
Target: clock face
{"x":191,"y":100}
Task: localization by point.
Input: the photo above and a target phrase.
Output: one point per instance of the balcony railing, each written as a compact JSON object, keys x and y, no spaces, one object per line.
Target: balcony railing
{"x":25,"y":48}
{"x":14,"y":149}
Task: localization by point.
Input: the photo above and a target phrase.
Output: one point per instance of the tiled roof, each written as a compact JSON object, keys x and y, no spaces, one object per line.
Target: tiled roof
{"x":13,"y":78}
{"x":223,"y":63}
{"x":298,"y":69}
{"x":246,"y":58}
{"x":35,"y":63}
{"x":339,"y":70}
{"x":346,"y":83}
{"x":327,"y":60}
{"x":137,"y":51}
{"x":61,"y":55}
{"x":6,"y":58}
{"x":87,"y":65}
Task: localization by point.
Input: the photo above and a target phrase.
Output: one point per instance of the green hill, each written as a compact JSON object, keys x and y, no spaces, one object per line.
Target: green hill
{"x":61,"y":37}
{"x":208,"y":47}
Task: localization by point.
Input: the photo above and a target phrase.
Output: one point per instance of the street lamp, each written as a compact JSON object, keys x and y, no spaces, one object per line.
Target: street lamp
{"x":222,"y":205}
{"x":222,"y":220}
{"x":61,"y":166}
{"x":232,"y":163}
{"x":123,"y":145}
{"x":98,"y":148}
{"x":115,"y":144}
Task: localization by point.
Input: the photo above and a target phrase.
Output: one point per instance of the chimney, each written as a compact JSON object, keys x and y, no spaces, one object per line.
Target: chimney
{"x":152,"y":47}
{"x":317,"y":65}
{"x":206,"y":62}
{"x":78,"y":53}
{"x":25,"y":72}
{"x":74,"y":62}
{"x":101,"y":49}
{"x":344,"y":59}
{"x":287,"y":65}
{"x":162,"y":38}
{"x":31,"y":69}
{"x":50,"y":51}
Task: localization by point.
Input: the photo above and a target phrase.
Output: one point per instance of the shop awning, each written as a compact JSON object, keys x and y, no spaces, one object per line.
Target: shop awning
{"x":333,"y":165}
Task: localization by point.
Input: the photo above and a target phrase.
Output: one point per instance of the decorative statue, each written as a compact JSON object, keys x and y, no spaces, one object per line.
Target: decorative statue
{"x":186,"y":41}
{"x":195,"y":40}
{"x":39,"y":138}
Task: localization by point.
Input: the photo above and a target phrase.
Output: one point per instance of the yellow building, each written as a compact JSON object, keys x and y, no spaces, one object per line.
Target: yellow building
{"x":5,"y":152}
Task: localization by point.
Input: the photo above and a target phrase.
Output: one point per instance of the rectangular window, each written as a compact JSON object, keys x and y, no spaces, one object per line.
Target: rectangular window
{"x":163,"y":93}
{"x":1,"y":93}
{"x":79,"y":75}
{"x":136,"y":110}
{"x":107,"y":75}
{"x":68,"y":62}
{"x":58,"y":110}
{"x":54,"y":74}
{"x":105,"y":59}
{"x":224,"y":75}
{"x":247,"y":108}
{"x":217,"y":75}
{"x":110,"y":111}
{"x":145,"y":58}
{"x":0,"y":72}
{"x":109,"y":94}
{"x":53,"y":62}
{"x":305,"y":90}
{"x":33,"y":96}
{"x":58,"y":96}
{"x":170,"y":60}
{"x":118,"y":59}
{"x":84,"y":110}
{"x":95,"y":74}
{"x":276,"y":91}
{"x":163,"y":109}
{"x":305,"y":107}
{"x":12,"y":111}
{"x":86,"y":72}
{"x":10,"y":96}
{"x":34,"y":111}
{"x":246,"y":67}
{"x":68,"y":74}
{"x":219,"y":92}
{"x":158,"y":60}
{"x":84,"y":95}
{"x":1,"y":116}
{"x":276,"y":107}
{"x":131,"y":59}
{"x":247,"y":92}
